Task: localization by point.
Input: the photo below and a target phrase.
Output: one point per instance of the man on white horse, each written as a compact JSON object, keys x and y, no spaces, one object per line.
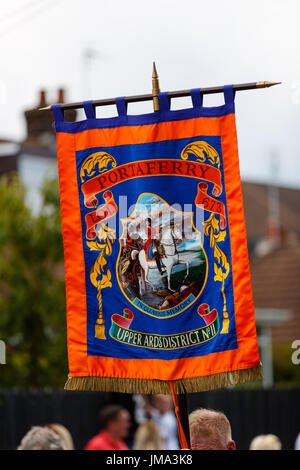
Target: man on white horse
{"x":167,"y":253}
{"x":152,"y":247}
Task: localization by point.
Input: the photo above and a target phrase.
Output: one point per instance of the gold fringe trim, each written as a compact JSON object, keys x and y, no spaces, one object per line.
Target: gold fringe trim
{"x":115,"y":384}
{"x":190,"y":385}
{"x":224,"y":379}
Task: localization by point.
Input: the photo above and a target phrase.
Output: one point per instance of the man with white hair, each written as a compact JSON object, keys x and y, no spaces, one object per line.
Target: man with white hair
{"x":210,"y":430}
{"x":41,"y":438}
{"x":265,"y":442}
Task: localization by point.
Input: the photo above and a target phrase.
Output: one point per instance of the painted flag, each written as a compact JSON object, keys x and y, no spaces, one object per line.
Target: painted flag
{"x":157,"y":272}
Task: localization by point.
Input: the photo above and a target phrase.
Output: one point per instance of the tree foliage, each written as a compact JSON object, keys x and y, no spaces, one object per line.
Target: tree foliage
{"x":32,"y":289}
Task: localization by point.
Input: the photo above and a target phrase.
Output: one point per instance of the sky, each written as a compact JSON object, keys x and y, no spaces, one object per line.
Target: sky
{"x":103,"y":49}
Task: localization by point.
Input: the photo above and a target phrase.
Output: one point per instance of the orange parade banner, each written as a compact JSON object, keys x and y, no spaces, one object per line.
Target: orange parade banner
{"x":166,"y":312}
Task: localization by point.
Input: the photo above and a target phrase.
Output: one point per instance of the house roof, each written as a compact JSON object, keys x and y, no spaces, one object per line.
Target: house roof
{"x":255,"y":198}
{"x":276,"y":284}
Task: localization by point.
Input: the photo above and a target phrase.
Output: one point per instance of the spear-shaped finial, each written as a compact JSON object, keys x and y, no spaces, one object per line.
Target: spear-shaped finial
{"x":266,"y":84}
{"x":155,"y":88}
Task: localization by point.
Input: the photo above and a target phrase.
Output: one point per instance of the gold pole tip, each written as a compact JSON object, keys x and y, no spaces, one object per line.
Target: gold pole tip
{"x":266,"y":84}
{"x":273,"y":83}
{"x":154,"y":73}
{"x":47,"y":108}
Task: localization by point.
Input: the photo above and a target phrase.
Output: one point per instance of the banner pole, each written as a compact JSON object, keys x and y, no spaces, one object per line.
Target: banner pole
{"x":181,"y":411}
{"x":182,"y":399}
{"x":171,"y":94}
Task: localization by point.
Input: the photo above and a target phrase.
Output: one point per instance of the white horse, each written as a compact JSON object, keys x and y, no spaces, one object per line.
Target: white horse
{"x":171,"y":236}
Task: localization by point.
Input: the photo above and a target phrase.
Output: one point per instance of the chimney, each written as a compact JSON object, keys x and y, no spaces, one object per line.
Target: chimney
{"x":40,"y":123}
{"x":61,"y":96}
{"x":42,"y":101}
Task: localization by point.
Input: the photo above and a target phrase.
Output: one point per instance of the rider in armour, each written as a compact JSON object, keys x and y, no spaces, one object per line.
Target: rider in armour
{"x":152,"y":246}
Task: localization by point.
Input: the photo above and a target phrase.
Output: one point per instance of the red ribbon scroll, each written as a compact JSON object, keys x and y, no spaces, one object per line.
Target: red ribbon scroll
{"x":204,"y":312}
{"x":210,"y":204}
{"x":104,"y":212}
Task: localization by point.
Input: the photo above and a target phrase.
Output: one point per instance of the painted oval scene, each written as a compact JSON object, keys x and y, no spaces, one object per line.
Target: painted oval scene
{"x":161,"y":267}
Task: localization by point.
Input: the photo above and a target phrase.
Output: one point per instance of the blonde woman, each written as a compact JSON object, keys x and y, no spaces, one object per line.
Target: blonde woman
{"x":64,"y":434}
{"x":147,"y":437}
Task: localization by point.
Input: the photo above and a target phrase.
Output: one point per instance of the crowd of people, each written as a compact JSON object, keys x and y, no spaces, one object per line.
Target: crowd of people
{"x":157,"y":430}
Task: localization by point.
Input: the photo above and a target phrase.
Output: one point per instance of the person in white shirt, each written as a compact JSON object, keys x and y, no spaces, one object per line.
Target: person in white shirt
{"x":162,"y":413}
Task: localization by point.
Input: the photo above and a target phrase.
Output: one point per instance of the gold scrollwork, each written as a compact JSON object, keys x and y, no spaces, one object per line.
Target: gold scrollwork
{"x":100,"y":276}
{"x":96,"y":163}
{"x":203,"y":151}
{"x":221,"y":267}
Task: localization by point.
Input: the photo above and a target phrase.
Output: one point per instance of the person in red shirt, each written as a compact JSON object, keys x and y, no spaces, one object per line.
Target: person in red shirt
{"x":115,"y":423}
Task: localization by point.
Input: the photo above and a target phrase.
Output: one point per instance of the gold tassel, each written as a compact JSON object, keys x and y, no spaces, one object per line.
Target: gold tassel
{"x":100,"y":331}
{"x":189,"y":385}
{"x":225,"y":323}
